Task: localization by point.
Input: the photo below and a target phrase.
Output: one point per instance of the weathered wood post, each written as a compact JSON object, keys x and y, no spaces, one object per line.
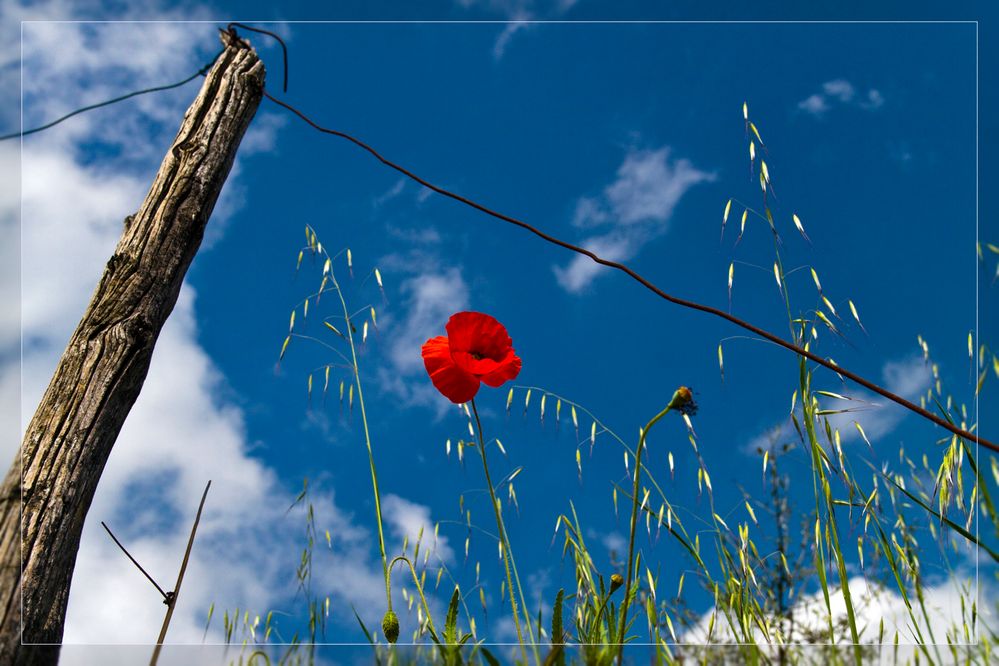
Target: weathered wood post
{"x":48,"y":490}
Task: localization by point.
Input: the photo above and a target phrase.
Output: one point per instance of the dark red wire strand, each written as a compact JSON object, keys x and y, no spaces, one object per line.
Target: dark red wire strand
{"x":646,"y":283}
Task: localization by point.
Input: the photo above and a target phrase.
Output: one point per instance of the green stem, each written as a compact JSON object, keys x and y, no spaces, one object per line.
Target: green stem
{"x":367,"y":441}
{"x":600,"y":613}
{"x":504,"y":541}
{"x":634,"y":520}
{"x":419,"y":588}
{"x":523,"y":604}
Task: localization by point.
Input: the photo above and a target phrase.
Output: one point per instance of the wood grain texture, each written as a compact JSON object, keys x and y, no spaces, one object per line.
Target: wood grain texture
{"x":46,"y":494}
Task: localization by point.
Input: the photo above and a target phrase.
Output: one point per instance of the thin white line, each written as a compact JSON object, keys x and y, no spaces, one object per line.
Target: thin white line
{"x":974,"y":351}
{"x":20,"y":343}
{"x":506,"y":22}
{"x":763,"y":647}
{"x":568,"y":645}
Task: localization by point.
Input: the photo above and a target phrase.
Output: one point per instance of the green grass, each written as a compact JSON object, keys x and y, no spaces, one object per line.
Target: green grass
{"x":778,"y":573}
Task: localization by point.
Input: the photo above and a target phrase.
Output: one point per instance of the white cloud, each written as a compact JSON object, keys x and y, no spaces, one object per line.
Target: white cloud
{"x":520,"y":13}
{"x":408,"y":520}
{"x":260,"y":137}
{"x":424,"y":194}
{"x":771,"y":438}
{"x":72,"y":215}
{"x":404,"y":186}
{"x":637,"y":206}
{"x":649,"y":186}
{"x":874,"y":99}
{"x":180,"y":432}
{"x":581,"y":271}
{"x":879,"y":416}
{"x":872,"y":603}
{"x":416,"y":236}
{"x":262,"y":134}
{"x":429,"y":299}
{"x":178,"y":436}
{"x":814,"y":104}
{"x":841,"y":92}
{"x":839,"y":89}
{"x":10,"y":319}
{"x":391,"y":193}
{"x":430,"y":291}
{"x":908,"y":377}
{"x":614,"y":542}
{"x":517,"y":23}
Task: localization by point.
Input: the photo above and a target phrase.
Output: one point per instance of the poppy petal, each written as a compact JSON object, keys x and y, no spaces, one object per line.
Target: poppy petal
{"x":506,"y":370}
{"x":472,"y":365}
{"x":479,"y":333}
{"x":454,"y":383}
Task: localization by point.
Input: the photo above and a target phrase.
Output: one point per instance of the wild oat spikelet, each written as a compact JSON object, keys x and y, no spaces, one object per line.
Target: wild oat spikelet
{"x":801,"y":229}
{"x":731,"y":274}
{"x":815,"y":278}
{"x":728,"y":209}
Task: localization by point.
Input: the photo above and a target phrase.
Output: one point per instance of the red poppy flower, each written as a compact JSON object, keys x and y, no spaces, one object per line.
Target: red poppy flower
{"x":477,"y":349}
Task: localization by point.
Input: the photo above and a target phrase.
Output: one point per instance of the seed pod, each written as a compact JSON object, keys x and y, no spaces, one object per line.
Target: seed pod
{"x":390,"y":627}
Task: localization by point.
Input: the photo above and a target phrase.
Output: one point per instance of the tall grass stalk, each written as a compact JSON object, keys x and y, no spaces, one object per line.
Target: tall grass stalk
{"x":367,"y":436}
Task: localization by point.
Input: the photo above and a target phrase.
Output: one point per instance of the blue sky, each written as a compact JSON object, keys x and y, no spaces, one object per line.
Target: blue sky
{"x":628,"y":137}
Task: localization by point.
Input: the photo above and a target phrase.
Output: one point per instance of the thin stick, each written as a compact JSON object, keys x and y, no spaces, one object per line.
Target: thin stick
{"x":134,"y":561}
{"x":171,"y":598}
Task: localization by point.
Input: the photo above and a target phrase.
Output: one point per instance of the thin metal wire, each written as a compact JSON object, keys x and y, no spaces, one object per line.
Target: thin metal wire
{"x":145,"y":573}
{"x":284,"y":48}
{"x":145,"y":91}
{"x":840,"y":370}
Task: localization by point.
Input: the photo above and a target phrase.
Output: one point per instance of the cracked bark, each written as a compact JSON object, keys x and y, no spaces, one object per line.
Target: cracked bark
{"x":47,"y":491}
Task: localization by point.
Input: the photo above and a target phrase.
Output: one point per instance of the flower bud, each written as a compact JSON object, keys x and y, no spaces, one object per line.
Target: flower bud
{"x":390,"y":627}
{"x":616,"y":581}
{"x":683,"y":401}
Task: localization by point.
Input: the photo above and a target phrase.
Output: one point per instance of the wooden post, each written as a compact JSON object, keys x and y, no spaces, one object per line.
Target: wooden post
{"x":48,"y":490}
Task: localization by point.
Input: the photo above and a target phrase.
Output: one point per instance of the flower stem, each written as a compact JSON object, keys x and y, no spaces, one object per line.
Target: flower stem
{"x":504,"y":540}
{"x":419,"y":588}
{"x":634,"y":520}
